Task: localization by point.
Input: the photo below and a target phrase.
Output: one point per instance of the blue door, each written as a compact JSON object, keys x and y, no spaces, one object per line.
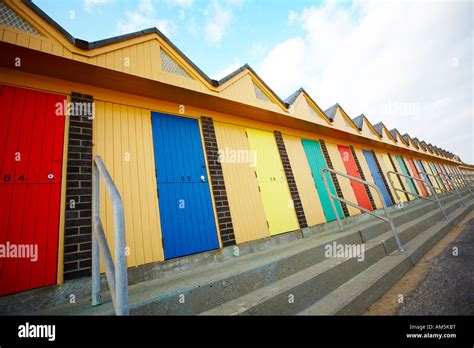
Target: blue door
{"x":369,"y":157}
{"x":187,"y":217}
{"x":422,"y":169}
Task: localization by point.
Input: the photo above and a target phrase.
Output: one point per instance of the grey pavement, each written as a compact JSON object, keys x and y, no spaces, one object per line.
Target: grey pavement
{"x":448,"y":288}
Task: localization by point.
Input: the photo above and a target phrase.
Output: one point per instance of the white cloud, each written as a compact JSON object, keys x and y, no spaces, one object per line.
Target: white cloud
{"x":292,"y":15}
{"x":90,"y":5}
{"x":227,"y":70}
{"x":257,"y":50}
{"x":146,"y":6}
{"x":218,"y":18}
{"x":180,"y":3}
{"x":408,"y":64}
{"x":145,"y":17}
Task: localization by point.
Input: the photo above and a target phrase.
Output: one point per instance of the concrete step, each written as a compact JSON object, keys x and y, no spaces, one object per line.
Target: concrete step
{"x":291,"y":294}
{"x":206,"y":287}
{"x":308,"y":285}
{"x":355,"y":296}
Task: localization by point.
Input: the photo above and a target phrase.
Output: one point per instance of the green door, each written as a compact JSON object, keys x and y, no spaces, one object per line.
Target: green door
{"x":401,"y":163}
{"x":317,"y":162}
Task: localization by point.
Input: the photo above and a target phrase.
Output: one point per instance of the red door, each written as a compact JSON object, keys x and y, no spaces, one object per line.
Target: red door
{"x":417,"y":175}
{"x":441,"y":174}
{"x":31,"y":153}
{"x":351,"y":168}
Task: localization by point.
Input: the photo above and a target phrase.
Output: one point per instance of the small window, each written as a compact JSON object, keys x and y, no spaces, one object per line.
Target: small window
{"x":170,"y":66}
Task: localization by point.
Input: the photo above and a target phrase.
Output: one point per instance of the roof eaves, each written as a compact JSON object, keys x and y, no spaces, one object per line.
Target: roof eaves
{"x":86,"y":45}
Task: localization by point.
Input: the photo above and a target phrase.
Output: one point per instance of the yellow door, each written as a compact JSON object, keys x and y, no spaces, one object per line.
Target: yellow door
{"x":238,"y":167}
{"x":277,"y":202}
{"x":304,"y":181}
{"x":394,"y":178}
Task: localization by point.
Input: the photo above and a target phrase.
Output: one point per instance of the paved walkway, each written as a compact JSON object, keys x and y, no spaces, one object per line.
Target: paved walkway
{"x":449,"y":286}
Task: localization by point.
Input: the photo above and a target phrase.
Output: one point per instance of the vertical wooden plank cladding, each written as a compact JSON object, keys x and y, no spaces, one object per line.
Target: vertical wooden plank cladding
{"x":415,"y":173}
{"x":274,"y":189}
{"x":31,"y":199}
{"x":245,"y":203}
{"x":351,"y":168}
{"x":119,"y":129}
{"x":344,"y":183}
{"x":405,"y":171}
{"x":395,"y":180}
{"x":304,"y":181}
{"x":368,"y":176}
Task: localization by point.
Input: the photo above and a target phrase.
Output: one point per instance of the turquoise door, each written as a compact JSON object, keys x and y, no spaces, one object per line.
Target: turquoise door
{"x":316,"y":161}
{"x":404,"y":169}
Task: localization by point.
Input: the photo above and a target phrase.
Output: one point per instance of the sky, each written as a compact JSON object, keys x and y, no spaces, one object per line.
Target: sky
{"x":408,"y":64}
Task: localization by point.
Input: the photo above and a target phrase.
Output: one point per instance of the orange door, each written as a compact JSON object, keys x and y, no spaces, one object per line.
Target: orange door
{"x":417,"y":175}
{"x":351,"y":169}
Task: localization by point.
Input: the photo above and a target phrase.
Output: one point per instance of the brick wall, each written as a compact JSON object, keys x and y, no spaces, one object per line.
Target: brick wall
{"x":219,"y":193}
{"x":77,"y":227}
{"x":295,"y":196}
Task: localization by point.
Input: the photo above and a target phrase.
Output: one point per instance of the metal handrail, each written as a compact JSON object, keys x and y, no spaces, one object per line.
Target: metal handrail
{"x":388,"y":218}
{"x":116,"y":274}
{"x":466,"y":183}
{"x":425,"y":182}
{"x":442,"y":189}
{"x":437,"y":180}
{"x":447,"y":177}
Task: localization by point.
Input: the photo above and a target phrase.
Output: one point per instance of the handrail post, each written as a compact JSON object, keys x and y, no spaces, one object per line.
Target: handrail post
{"x":467,"y":183}
{"x":116,"y":272}
{"x":390,"y":172}
{"x":448,"y":179}
{"x":121,"y":278}
{"x":388,"y":218}
{"x":95,"y":246}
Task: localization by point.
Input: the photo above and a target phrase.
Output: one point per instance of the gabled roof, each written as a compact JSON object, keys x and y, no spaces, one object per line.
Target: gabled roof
{"x":222,"y":82}
{"x":379,"y":128}
{"x":75,"y":44}
{"x":331,"y":112}
{"x":409,"y":140}
{"x":423,"y":145}
{"x":359,"y":121}
{"x":397,"y":135}
{"x":311,"y":103}
{"x":292,"y":98}
{"x":85,"y":45}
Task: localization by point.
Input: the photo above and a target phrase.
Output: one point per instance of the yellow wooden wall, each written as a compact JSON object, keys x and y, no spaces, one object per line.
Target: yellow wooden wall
{"x":368,"y":175}
{"x":122,"y":136}
{"x":383,"y":158}
{"x":341,"y":122}
{"x":301,"y":109}
{"x":345,"y":183}
{"x":433,"y":181}
{"x":304,"y":181}
{"x":404,"y":180}
{"x":245,"y":203}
